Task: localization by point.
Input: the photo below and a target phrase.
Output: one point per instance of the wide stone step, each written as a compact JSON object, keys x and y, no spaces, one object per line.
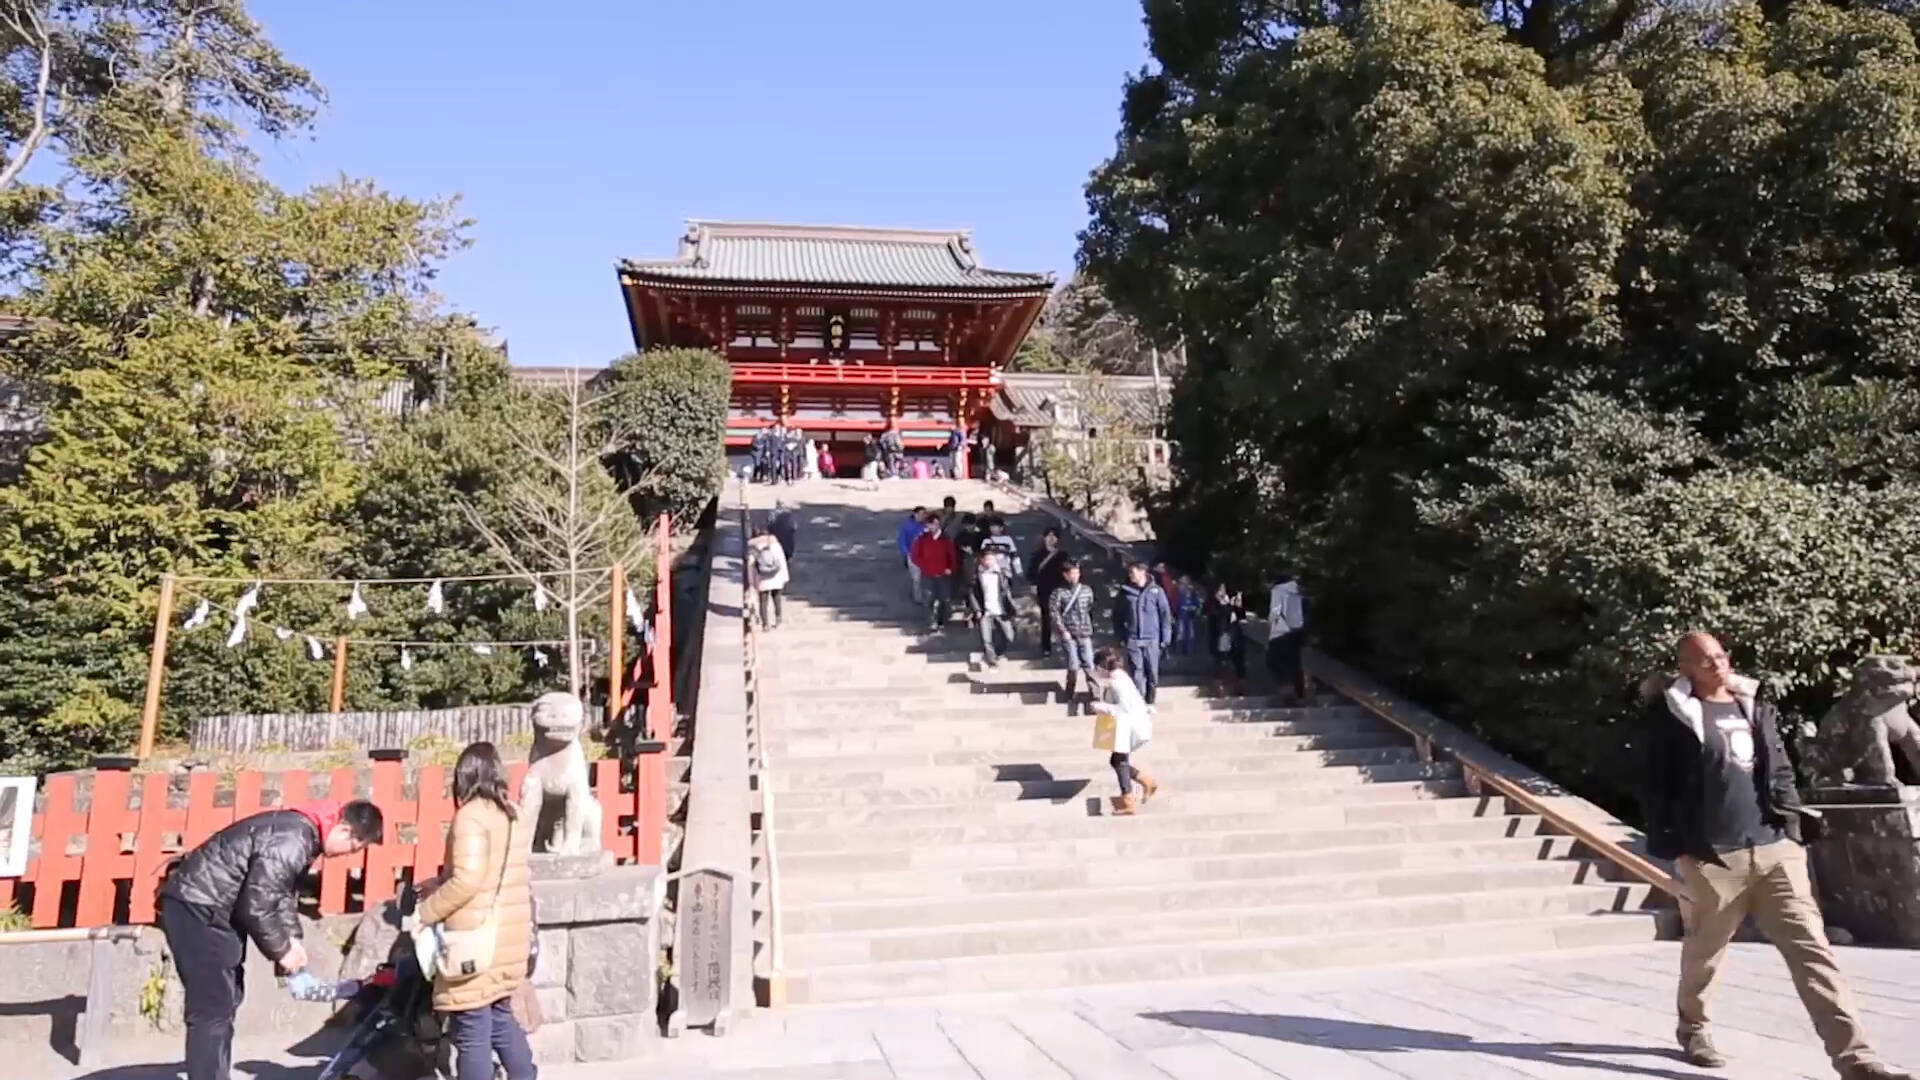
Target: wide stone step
{"x":1036,"y":776}
{"x":802,"y":756}
{"x":905,"y":980}
{"x":878,"y":850}
{"x":1303,"y":918}
{"x":1059,"y":869}
{"x":1252,"y":801}
{"x":1132,"y":902}
{"x":1052,"y":713}
{"x":1175,"y":777}
{"x":1009,"y":726}
{"x":964,"y":833}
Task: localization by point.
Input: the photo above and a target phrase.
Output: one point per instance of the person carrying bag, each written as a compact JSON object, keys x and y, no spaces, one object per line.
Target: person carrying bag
{"x":481,"y":918}
{"x":1122,"y":725}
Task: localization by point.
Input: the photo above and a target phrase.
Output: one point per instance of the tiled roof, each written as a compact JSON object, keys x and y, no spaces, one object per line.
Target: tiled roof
{"x":831,"y":255}
{"x":1025,"y":400}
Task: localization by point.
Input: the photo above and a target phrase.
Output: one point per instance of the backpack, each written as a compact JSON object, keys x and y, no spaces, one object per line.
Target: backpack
{"x":764,"y":560}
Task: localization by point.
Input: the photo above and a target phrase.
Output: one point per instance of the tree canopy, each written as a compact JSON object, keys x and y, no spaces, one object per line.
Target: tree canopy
{"x":206,"y":350}
{"x":1535,"y":336}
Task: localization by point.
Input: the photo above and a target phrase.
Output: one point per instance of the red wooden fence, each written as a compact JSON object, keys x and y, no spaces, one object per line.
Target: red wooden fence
{"x":123,"y":842}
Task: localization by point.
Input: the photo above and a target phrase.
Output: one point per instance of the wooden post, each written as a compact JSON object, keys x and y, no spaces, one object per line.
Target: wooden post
{"x":339,"y":699}
{"x":616,"y":638}
{"x":156,"y":668}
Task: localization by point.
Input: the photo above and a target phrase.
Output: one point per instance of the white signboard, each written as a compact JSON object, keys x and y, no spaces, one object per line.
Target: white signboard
{"x":16,"y":823}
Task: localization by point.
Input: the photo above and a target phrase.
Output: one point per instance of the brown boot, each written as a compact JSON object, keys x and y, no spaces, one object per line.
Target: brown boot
{"x":1149,"y":787}
{"x":1699,"y":1050}
{"x":1123,"y":805}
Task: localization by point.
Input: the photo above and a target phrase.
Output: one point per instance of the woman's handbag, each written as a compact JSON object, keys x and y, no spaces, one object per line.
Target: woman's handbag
{"x":468,"y":954}
{"x":1104,"y":731}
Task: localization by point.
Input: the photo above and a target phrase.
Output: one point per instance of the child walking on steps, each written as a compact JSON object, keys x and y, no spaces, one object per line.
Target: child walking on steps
{"x":1132,"y":728}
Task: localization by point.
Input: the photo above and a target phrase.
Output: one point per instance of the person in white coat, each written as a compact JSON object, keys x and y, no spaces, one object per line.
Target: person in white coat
{"x":810,"y":461}
{"x":1132,"y":728}
{"x":768,"y":562}
{"x":1286,"y":634}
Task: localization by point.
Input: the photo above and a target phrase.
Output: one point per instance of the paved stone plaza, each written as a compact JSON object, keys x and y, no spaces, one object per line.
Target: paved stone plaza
{"x":1600,"y":1015}
{"x":1558,"y":1017}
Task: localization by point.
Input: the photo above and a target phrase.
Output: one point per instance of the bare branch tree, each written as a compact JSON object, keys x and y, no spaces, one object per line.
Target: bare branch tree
{"x":564,"y":519}
{"x":25,"y":19}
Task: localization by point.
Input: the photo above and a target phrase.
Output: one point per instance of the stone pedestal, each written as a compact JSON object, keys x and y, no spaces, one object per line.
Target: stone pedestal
{"x":1867,"y":866}
{"x":598,"y":972}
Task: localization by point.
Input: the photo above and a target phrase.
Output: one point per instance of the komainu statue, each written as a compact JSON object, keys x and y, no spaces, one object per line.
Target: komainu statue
{"x":1857,"y":741}
{"x":558,"y":770}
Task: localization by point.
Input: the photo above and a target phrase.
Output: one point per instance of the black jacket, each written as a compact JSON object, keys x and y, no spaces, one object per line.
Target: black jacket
{"x":1673,"y":777}
{"x":248,"y":873}
{"x":1046,"y":575}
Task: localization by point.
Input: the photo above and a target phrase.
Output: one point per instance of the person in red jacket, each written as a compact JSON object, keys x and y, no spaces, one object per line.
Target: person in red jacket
{"x":939,"y":561}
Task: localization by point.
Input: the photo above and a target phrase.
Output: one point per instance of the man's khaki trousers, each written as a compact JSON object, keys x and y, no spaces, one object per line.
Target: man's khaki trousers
{"x":1771,"y":883}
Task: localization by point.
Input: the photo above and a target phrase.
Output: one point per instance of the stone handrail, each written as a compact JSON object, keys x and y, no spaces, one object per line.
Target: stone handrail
{"x":1484,"y":766}
{"x":719,"y":817}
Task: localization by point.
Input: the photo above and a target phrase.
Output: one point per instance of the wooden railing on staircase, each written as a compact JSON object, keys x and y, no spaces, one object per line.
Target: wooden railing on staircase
{"x":1434,"y":739}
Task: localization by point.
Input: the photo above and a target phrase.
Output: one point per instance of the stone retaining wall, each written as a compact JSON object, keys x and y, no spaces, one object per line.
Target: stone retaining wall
{"x":597,"y":975}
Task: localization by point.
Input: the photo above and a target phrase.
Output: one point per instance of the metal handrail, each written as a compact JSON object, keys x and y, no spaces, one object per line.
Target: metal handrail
{"x":1477,"y":773}
{"x":763,"y":768}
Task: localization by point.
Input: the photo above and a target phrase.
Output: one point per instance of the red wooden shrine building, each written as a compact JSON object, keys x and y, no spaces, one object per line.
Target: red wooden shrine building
{"x":839,"y":330}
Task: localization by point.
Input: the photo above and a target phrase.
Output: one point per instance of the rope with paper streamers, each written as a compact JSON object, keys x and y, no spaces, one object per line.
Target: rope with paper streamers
{"x":317,"y":645}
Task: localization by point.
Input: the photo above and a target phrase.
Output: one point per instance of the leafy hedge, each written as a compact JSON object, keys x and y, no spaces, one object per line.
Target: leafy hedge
{"x":670,"y":412}
{"x":1534,"y":352}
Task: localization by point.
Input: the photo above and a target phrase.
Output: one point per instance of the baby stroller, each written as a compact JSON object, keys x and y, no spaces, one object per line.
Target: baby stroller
{"x":395,"y":1034}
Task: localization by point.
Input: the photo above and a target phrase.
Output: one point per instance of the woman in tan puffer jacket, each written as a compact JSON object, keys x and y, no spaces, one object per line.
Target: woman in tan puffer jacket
{"x":487,"y":876}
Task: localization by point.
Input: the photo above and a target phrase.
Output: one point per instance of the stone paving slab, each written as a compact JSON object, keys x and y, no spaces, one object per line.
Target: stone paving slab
{"x":1593,"y":1015}
{"x":1566,"y":1016}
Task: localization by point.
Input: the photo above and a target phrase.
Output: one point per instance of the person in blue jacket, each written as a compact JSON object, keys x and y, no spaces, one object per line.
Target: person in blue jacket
{"x":1144,"y":620}
{"x":908,"y":532}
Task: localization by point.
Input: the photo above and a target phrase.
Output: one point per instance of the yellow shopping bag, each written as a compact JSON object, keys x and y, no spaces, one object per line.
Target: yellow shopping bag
{"x":1103,"y":731}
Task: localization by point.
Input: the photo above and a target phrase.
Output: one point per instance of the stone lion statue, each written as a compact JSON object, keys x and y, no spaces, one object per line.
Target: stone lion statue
{"x":557,"y":769}
{"x":1856,"y":742}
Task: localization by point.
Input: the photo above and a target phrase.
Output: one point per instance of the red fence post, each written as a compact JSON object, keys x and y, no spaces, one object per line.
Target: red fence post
{"x":430,"y":832}
{"x":378,"y":880}
{"x":149,"y":856}
{"x":650,"y":782}
{"x":55,"y":868}
{"x":107,"y":817}
{"x":333,"y":872}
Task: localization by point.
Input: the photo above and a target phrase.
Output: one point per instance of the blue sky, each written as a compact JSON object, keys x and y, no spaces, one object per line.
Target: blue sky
{"x":581,"y":132}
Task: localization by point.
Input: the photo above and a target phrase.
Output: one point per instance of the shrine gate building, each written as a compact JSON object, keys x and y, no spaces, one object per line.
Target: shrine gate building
{"x":839,"y":330}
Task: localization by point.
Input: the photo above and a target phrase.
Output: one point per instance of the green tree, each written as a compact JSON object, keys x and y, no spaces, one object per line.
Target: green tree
{"x":1532,"y":349}
{"x":668,"y":413}
{"x":207,"y":346}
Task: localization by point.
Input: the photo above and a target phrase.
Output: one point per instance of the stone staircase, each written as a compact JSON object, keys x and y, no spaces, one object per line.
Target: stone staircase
{"x":944,"y":829}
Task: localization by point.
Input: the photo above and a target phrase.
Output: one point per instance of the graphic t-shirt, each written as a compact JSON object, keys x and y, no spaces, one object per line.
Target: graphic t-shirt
{"x":1733,"y":816}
